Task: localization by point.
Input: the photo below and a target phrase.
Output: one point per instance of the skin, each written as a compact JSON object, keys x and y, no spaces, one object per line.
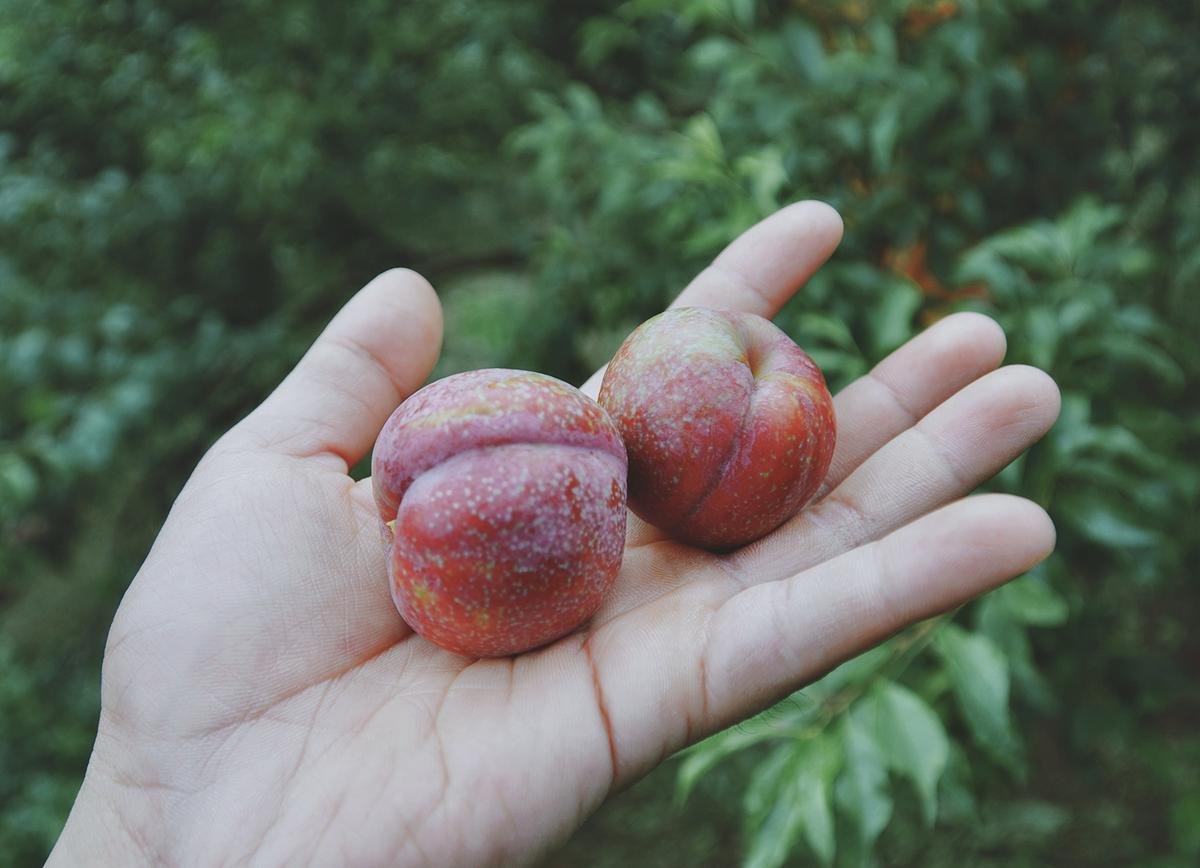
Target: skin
{"x":263,"y":703}
{"x":728,"y":423}
{"x":503,"y":500}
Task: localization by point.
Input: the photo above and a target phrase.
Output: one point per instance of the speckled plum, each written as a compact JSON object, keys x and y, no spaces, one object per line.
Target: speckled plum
{"x":503,"y":499}
{"x":728,"y":424}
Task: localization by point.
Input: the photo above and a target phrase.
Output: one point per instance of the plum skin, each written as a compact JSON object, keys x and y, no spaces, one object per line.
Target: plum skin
{"x":503,"y":496}
{"x":728,"y":425}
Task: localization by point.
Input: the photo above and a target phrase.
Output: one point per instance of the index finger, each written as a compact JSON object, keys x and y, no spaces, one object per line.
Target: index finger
{"x":763,"y":267}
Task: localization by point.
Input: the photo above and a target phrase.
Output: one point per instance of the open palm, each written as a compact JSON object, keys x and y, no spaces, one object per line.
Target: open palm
{"x":264,"y":703}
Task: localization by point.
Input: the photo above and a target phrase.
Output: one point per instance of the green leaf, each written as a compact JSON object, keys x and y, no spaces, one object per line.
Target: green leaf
{"x":855,"y":671}
{"x":769,"y":777}
{"x":818,"y":767}
{"x":692,"y":768}
{"x":702,"y":132}
{"x":1115,"y":441}
{"x":804,"y":44}
{"x":18,"y":481}
{"x":1103,"y":524}
{"x":827,"y":328}
{"x":883,"y":132}
{"x":1087,"y":220}
{"x":1031,"y":600}
{"x":1042,"y":334}
{"x":911,"y":737}
{"x":1027,"y":821}
{"x":1036,"y":247}
{"x":772,"y":807}
{"x":1185,"y":823}
{"x":713,"y":53}
{"x":765,"y":174}
{"x":743,"y":11}
{"x":702,"y":757}
{"x":862,"y":788}
{"x":1136,"y":354}
{"x":979,"y":675}
{"x":790,"y":797}
{"x":839,"y":367}
{"x":882,"y":37}
{"x":891,"y":321}
{"x":602,"y":37}
{"x":777,"y":721}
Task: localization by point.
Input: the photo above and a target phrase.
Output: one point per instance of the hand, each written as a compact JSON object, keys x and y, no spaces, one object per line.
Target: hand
{"x":263,"y":702}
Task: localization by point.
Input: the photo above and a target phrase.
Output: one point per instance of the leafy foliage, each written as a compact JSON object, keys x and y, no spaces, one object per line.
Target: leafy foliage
{"x":187,"y":193}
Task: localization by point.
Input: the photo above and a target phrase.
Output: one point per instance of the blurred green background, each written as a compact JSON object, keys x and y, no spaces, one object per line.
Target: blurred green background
{"x":189,"y":190}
